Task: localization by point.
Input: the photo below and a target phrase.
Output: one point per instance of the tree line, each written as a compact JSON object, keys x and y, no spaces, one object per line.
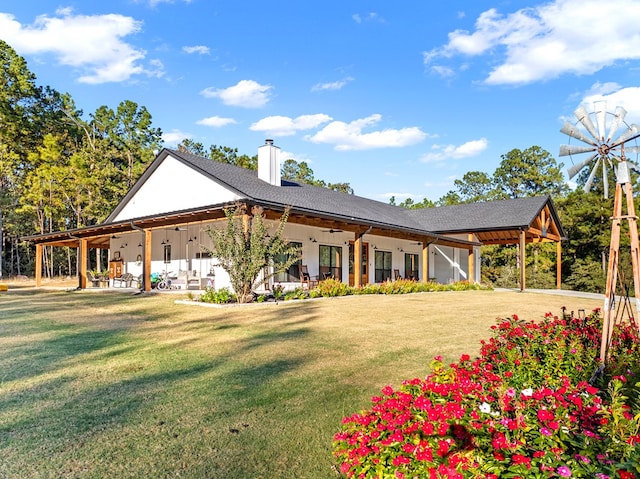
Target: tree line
{"x":60,"y":169}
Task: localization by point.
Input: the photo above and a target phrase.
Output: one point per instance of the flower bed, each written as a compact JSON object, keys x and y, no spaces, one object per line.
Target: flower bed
{"x":529,"y":407}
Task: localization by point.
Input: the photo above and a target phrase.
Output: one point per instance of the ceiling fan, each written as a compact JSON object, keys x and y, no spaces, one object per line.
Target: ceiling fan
{"x":332,"y":231}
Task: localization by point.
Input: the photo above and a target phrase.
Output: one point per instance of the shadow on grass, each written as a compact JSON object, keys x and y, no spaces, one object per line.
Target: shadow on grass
{"x":56,"y":404}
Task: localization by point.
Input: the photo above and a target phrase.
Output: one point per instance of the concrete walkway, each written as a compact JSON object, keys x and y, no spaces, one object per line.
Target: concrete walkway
{"x":556,"y":292}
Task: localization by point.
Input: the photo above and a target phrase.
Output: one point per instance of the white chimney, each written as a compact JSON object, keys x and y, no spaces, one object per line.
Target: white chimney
{"x":269,"y":163}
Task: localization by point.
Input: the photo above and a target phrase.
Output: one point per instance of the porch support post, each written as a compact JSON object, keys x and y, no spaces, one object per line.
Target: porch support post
{"x":471,"y":264}
{"x":425,"y":261}
{"x":357,"y":260}
{"x":522,"y":258}
{"x":146,"y":262}
{"x":82,"y":259}
{"x":559,"y":265}
{"x":38,"y":265}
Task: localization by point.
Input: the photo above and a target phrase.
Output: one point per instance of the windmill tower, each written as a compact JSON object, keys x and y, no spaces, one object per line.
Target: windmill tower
{"x":606,"y":149}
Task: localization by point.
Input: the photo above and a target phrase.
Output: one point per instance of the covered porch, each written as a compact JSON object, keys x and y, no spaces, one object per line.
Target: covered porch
{"x":143,"y":246}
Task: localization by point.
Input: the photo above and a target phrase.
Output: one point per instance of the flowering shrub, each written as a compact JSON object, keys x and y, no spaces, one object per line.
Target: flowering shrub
{"x":332,"y":287}
{"x":523,"y":409}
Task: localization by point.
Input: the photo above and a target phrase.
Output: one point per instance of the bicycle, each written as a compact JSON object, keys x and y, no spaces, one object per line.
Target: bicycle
{"x":165,"y":282}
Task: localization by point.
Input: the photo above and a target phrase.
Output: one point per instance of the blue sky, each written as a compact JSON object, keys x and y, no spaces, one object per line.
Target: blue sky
{"x":396,"y":98}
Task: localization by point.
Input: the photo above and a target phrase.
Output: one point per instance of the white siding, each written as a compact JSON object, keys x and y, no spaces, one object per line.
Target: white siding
{"x":173,"y":186}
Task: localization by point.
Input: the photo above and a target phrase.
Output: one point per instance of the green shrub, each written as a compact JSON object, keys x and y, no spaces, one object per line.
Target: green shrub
{"x":221,"y":296}
{"x":332,"y":287}
{"x":298,"y":293}
{"x":278,"y":291}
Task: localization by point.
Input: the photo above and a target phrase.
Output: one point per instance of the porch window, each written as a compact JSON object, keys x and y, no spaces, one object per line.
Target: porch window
{"x":411,"y":266}
{"x":330,"y":262}
{"x":167,"y":253}
{"x":383,"y":266}
{"x":292,"y":275}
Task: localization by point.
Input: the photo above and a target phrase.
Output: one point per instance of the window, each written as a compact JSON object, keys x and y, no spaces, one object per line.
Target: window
{"x":411,"y":266}
{"x":330,"y":262}
{"x":167,"y":253}
{"x":383,"y":266}
{"x":292,"y":275}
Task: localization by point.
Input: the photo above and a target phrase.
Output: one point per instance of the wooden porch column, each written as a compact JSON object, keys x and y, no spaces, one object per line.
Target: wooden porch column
{"x":425,"y":261}
{"x":559,"y":265}
{"x":146,"y":262}
{"x":82,"y":258}
{"x":357,"y":260}
{"x":38,"y":265}
{"x":522,"y":258}
{"x":471,"y":264}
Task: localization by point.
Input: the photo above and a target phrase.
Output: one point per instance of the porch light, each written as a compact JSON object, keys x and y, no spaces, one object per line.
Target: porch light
{"x":123,"y":245}
{"x":312,"y":239}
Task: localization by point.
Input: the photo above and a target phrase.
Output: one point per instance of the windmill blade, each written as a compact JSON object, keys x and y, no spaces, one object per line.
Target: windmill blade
{"x":618,"y":118}
{"x":567,"y":150}
{"x":632,"y":149}
{"x":632,"y":133}
{"x":592,"y":175}
{"x":573,"y":170}
{"x":600,"y":108}
{"x":573,"y":132}
{"x":583,"y":117}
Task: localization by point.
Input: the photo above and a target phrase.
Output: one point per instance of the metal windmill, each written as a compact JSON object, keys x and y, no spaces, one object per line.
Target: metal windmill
{"x":606,"y":149}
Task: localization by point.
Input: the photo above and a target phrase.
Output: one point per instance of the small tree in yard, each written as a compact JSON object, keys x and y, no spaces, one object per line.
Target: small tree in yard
{"x":244,"y":249}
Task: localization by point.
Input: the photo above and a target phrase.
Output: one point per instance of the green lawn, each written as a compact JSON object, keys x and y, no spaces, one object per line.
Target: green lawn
{"x":121,"y":386}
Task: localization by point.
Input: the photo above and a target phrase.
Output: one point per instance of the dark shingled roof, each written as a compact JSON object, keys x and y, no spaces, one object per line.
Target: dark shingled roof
{"x":301,"y":196}
{"x":329,"y":204}
{"x":488,"y":216}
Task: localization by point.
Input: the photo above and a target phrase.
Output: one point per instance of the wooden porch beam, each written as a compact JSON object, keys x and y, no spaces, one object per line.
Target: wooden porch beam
{"x":146,"y":262}
{"x":425,"y":261}
{"x":82,"y":260}
{"x":559,"y":265}
{"x":471,"y":263}
{"x":523,"y":249}
{"x":357,"y":260}
{"x":38,"y":265}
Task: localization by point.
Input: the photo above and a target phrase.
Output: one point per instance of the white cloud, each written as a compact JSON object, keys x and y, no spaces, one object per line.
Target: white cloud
{"x":350,"y":136}
{"x":286,"y":126}
{"x":199,"y":49}
{"x":549,"y":40}
{"x":614,"y":95}
{"x":216,"y":121}
{"x":246,"y":94}
{"x":446,"y":152}
{"x":154,"y":3}
{"x":336,"y":85}
{"x":173,"y":137}
{"x":297,"y":157}
{"x":91,"y":43}
{"x":368,"y":17}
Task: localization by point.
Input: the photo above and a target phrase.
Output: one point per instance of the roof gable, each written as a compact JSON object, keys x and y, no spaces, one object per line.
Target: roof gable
{"x":502,"y":215}
{"x":169,"y":185}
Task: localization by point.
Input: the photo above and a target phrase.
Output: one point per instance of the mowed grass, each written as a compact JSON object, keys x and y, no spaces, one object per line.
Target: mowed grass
{"x":135,"y":386}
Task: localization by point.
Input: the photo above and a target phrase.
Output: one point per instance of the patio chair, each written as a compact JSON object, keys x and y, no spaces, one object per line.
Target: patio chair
{"x":95,"y":282}
{"x":124,"y":281}
{"x":305,"y":277}
{"x":396,"y":274}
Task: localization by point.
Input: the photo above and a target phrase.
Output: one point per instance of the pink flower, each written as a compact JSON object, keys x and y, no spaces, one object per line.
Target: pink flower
{"x":564,"y":471}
